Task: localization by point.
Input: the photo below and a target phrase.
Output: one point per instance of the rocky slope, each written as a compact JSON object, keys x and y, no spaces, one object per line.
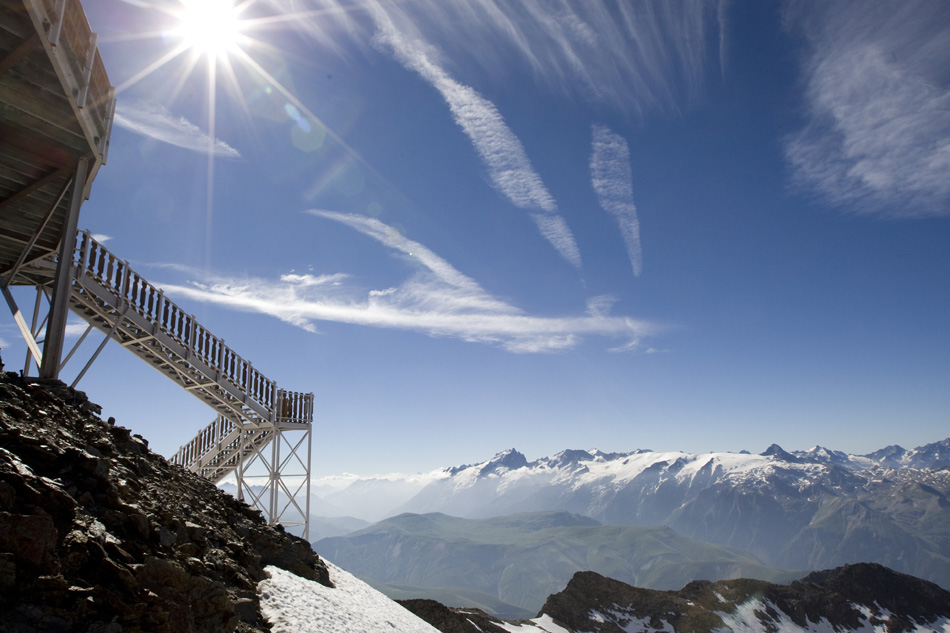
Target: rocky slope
{"x":851,"y":598}
{"x":99,"y":534}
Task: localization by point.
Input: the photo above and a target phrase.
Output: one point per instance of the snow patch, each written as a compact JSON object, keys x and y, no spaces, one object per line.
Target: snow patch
{"x":292,"y":604}
{"x":544,"y":624}
{"x":745,"y":620}
{"x":629,"y":623}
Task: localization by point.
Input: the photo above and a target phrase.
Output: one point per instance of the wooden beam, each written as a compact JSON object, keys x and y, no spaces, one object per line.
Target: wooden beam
{"x":39,"y":231}
{"x":10,"y":235}
{"x":34,"y":186}
{"x":34,"y":147}
{"x":18,"y":53}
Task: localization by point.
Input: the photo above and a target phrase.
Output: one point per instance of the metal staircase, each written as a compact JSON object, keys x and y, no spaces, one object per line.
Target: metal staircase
{"x":57,"y":107}
{"x":251,"y":438}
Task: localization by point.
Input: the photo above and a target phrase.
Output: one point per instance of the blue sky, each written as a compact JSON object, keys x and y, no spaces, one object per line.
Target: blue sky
{"x":471,"y":225}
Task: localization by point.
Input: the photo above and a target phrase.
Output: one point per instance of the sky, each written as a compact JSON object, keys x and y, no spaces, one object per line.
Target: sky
{"x":471,"y":225}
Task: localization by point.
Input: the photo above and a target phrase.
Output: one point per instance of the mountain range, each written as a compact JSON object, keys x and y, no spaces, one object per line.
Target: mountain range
{"x":97,"y":533}
{"x":801,"y":510}
{"x":509,"y":565}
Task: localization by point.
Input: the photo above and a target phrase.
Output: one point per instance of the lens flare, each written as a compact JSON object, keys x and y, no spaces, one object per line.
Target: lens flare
{"x":210,"y":27}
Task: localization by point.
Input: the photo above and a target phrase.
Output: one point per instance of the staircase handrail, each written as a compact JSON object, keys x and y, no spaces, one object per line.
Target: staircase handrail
{"x":206,"y":440}
{"x":92,"y":258}
{"x":219,"y":448}
{"x":294,"y":407}
{"x":86,"y":63}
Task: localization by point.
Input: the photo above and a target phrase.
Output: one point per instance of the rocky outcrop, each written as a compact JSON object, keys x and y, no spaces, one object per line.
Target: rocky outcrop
{"x":453,"y":620}
{"x":99,"y":534}
{"x":849,"y":598}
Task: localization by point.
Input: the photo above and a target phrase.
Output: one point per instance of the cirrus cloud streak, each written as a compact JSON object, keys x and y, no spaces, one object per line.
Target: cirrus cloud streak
{"x":499,"y":148}
{"x":877,"y":137}
{"x":612,"y":179}
{"x":436,"y":299}
{"x":155,"y":121}
{"x":648,"y":56}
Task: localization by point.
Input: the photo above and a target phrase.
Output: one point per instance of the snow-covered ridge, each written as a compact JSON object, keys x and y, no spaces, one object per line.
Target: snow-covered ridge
{"x":510,"y":474}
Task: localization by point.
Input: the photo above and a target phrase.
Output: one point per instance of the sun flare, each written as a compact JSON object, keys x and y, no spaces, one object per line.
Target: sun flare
{"x":210,"y":27}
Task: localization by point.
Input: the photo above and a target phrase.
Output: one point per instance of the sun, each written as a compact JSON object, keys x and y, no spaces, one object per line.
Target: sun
{"x":210,"y":27}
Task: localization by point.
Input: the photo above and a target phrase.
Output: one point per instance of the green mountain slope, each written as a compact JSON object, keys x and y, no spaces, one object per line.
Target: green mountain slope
{"x":521,"y":559}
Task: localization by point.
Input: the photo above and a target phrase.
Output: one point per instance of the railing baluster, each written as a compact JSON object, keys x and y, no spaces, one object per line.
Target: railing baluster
{"x":83,"y":252}
{"x":115,"y":275}
{"x":122,"y":278}
{"x":97,"y":261}
{"x":110,"y":270}
{"x":140,"y":293}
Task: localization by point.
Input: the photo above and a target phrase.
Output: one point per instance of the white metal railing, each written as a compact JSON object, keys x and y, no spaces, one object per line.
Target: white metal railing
{"x":294,"y":407}
{"x":113,"y":274}
{"x":222,"y":439}
{"x":69,"y":29}
{"x":225,"y":443}
{"x":217,"y":444}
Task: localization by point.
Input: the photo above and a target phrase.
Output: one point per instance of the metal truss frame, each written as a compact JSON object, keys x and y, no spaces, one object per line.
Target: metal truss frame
{"x":262,"y":435}
{"x":276,"y":477}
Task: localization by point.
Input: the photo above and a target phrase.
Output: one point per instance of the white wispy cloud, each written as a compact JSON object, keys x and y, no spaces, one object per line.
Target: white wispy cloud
{"x":75,"y":330}
{"x":643,"y":56}
{"x":600,"y":305}
{"x":313,"y":280}
{"x":155,"y":121}
{"x":877,"y":139}
{"x":435,"y":299}
{"x":500,"y":149}
{"x":612,"y":179}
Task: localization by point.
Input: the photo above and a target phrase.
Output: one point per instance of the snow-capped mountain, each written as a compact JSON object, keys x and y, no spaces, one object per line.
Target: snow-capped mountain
{"x":933,"y":456}
{"x":805,"y":510}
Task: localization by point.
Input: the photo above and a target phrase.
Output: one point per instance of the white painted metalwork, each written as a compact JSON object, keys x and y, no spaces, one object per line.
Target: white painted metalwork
{"x":57,"y":110}
{"x":259,"y":428}
{"x":71,"y":48}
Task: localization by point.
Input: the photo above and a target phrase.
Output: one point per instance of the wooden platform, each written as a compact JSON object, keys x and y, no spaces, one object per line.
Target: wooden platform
{"x":56,"y":108}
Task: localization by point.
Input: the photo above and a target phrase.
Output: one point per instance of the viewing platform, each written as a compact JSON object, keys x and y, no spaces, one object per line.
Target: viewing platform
{"x":56,"y":113}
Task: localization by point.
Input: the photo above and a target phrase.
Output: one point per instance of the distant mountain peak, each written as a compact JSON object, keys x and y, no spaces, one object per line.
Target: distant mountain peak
{"x":509,"y":459}
{"x":573,"y":456}
{"x":778,"y":452}
{"x":888,"y":452}
{"x":934,"y":455}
